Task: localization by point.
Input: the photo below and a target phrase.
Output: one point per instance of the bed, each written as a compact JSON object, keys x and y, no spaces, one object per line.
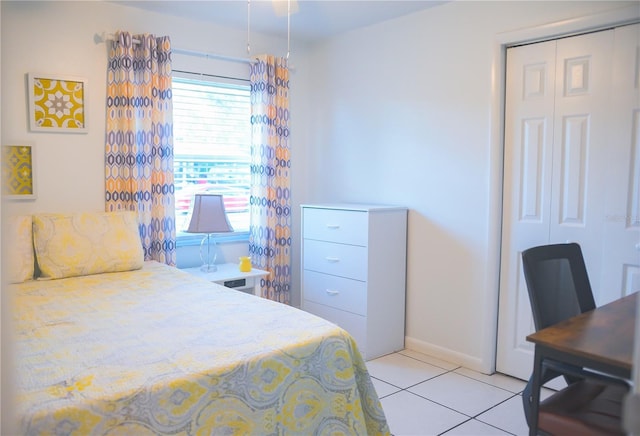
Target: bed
{"x":144,"y":348}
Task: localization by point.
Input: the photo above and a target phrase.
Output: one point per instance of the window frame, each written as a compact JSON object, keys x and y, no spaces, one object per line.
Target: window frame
{"x":193,"y":239}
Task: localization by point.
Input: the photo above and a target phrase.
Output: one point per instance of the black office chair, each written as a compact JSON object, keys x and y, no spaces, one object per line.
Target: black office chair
{"x":559,"y":288}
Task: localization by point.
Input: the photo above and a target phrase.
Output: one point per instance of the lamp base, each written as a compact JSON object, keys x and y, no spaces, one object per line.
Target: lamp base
{"x":208,"y":255}
{"x":209,"y":268}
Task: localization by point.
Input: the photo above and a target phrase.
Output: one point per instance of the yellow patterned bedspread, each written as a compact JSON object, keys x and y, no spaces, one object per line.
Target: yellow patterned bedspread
{"x":157,"y":351}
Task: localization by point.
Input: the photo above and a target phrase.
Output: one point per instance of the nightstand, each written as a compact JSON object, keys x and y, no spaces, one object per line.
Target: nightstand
{"x":230,"y":276}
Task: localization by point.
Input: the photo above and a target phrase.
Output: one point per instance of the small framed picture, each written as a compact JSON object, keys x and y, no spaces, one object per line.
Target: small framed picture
{"x":18,"y":175}
{"x":57,"y":103}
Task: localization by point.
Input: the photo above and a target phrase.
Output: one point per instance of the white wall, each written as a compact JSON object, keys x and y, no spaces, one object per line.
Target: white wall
{"x":405,"y":112}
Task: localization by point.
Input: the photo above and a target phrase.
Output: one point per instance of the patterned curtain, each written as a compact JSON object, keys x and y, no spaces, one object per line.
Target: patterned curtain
{"x":139,"y":139}
{"x":270,"y":232}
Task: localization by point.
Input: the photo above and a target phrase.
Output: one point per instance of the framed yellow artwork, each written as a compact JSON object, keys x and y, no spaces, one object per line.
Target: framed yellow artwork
{"x":57,"y":103}
{"x":18,"y":177}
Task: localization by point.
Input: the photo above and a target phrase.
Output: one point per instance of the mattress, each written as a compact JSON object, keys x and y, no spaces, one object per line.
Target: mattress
{"x":158,"y":351}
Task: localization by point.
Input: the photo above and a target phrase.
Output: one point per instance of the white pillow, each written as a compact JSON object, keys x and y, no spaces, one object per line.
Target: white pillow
{"x":19,"y":249}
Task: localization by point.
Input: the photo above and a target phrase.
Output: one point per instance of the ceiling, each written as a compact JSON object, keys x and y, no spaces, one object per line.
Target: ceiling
{"x":314,"y":19}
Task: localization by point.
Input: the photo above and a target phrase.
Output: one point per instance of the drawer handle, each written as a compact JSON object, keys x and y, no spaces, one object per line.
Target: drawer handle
{"x":332,"y":259}
{"x":332,"y":292}
{"x":333,"y":226}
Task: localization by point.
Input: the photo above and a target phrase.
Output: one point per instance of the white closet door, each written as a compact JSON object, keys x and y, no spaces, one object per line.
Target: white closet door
{"x":621,"y":235}
{"x":561,"y":155}
{"x":530,"y":95}
{"x":582,"y":122}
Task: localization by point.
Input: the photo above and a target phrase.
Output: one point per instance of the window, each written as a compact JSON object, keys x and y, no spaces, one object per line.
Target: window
{"x":212,"y":147}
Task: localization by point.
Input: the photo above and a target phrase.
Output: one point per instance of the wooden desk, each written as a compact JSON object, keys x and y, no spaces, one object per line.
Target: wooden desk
{"x":601,"y":340}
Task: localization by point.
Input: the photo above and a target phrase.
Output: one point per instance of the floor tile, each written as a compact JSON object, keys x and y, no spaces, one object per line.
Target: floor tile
{"x":511,"y":384}
{"x":422,"y":395}
{"x":428,"y":359}
{"x":402,"y":371}
{"x":383,"y":389}
{"x":546,"y":393}
{"x":408,"y":414}
{"x":508,"y":416}
{"x":474,"y":428}
{"x":461,"y":393}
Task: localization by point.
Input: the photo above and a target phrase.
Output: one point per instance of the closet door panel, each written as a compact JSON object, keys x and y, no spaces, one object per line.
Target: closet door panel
{"x":532,"y":170}
{"x":581,"y":149}
{"x":621,"y":262}
{"x":527,"y":191}
{"x":573,"y":187}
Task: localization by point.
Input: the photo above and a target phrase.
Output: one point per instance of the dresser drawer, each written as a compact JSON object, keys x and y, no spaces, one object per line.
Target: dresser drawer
{"x":338,"y":292}
{"x":347,"y":227}
{"x":355,"y":325}
{"x":337,"y":259}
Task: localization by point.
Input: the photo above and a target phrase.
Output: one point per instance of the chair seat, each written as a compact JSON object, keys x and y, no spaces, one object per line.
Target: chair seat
{"x":585,"y":408}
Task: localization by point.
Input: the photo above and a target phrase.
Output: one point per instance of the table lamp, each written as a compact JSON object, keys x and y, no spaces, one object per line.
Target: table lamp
{"x":208,"y":216}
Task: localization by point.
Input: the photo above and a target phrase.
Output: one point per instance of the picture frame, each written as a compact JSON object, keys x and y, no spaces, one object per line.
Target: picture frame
{"x":18,"y":172}
{"x":57,"y":103}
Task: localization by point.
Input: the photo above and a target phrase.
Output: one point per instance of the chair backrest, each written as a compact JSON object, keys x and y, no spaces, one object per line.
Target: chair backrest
{"x":557,"y":283}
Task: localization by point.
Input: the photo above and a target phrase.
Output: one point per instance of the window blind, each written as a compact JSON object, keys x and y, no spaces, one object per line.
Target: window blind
{"x":212,"y":146}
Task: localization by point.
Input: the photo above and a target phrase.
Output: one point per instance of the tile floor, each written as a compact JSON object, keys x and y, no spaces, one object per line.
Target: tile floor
{"x":424,"y":396}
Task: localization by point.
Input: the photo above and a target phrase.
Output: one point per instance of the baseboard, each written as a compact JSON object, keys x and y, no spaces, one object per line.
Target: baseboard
{"x":469,"y":362}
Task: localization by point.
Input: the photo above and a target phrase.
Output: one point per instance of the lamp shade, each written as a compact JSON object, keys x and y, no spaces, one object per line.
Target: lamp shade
{"x":208,"y":215}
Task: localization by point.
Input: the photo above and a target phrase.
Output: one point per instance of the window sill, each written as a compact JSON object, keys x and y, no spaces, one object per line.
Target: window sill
{"x":184,"y":239}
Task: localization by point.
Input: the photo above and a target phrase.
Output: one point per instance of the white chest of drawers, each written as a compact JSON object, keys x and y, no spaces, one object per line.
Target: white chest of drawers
{"x":354,"y":271}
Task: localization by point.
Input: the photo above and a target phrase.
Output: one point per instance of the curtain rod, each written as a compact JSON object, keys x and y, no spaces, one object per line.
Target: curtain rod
{"x":212,"y":56}
{"x":111,"y":37}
